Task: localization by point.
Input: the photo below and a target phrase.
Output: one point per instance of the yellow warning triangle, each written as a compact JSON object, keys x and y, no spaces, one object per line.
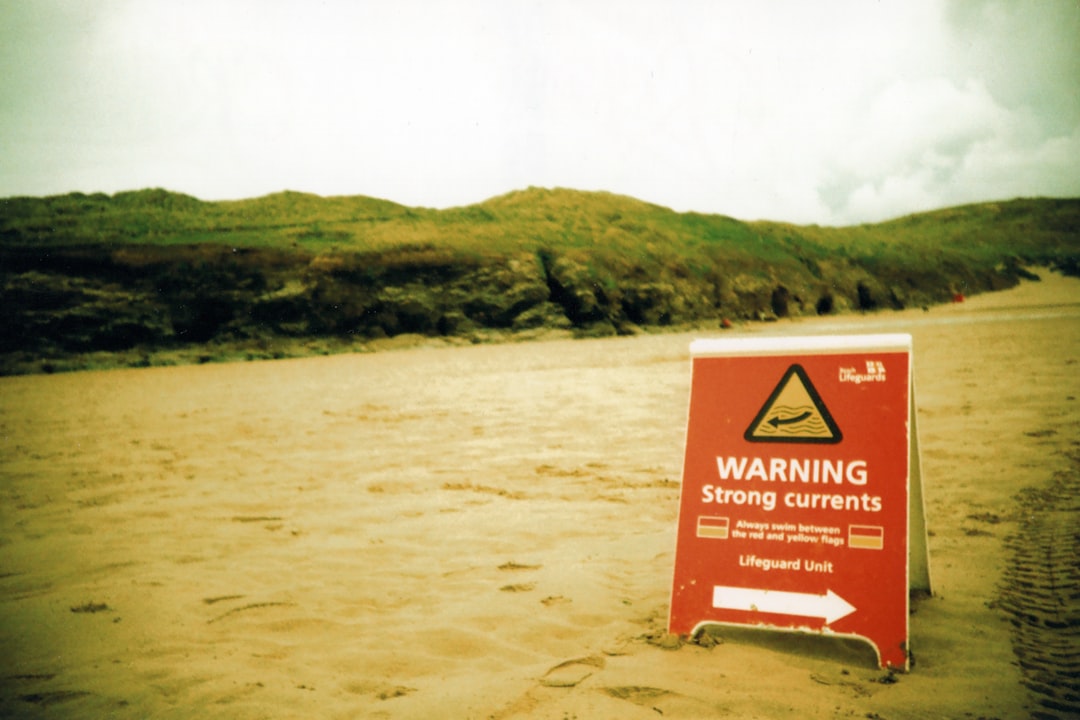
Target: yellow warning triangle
{"x":794,"y":413}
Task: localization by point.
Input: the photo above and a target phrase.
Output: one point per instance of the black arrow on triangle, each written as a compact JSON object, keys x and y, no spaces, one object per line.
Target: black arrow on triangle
{"x":777,"y":422}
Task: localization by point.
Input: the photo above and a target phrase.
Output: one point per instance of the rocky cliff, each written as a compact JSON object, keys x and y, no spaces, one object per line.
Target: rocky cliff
{"x":68,"y":292}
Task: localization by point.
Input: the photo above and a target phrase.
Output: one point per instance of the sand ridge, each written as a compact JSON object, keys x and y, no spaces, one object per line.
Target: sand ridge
{"x":481,"y":532}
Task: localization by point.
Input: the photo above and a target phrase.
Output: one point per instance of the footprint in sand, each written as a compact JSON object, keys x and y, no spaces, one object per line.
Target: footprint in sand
{"x":637,"y":694}
{"x":572,"y":672}
{"x":518,"y":587}
{"x":554,"y":600}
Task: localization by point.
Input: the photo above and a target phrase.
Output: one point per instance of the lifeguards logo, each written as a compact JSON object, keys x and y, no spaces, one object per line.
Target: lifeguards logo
{"x":875,"y":372}
{"x":794,"y":413}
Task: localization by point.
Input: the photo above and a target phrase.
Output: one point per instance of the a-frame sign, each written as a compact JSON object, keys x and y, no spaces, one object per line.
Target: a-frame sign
{"x":801,"y":504}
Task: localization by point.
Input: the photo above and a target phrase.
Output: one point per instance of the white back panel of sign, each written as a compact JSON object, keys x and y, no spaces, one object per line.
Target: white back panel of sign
{"x":811,"y":344}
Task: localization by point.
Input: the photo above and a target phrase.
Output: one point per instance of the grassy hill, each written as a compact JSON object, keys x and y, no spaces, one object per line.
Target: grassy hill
{"x":133,"y":277}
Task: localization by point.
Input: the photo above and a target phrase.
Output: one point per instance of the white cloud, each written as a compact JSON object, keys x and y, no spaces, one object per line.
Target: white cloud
{"x":809,"y":112}
{"x":927,"y":144}
{"x":1007,"y":167}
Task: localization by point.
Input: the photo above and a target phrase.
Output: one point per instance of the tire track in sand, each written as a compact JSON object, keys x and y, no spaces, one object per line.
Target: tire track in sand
{"x":1042,"y":594}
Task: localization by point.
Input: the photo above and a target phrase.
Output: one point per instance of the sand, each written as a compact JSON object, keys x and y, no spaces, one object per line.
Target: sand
{"x":488,"y":532}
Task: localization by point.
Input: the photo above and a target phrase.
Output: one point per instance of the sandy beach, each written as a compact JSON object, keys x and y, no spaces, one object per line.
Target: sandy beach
{"x":488,"y":532}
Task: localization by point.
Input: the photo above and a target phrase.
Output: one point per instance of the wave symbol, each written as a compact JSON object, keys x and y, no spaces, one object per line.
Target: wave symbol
{"x":794,"y":421}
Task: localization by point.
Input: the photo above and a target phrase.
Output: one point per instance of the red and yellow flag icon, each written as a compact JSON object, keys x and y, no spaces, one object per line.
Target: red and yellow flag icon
{"x":712,"y":527}
{"x":867,"y":537}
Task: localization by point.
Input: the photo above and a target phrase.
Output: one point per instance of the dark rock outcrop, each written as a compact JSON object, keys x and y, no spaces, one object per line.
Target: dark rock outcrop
{"x":124,"y":274}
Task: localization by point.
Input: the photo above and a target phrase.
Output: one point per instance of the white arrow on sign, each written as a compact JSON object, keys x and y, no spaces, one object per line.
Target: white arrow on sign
{"x":830,"y":606}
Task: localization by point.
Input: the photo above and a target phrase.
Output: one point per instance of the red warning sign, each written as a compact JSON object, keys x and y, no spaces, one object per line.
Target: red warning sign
{"x":800,"y":480}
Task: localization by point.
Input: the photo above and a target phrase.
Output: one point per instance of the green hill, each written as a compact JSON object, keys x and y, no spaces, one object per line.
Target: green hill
{"x":137,"y":275}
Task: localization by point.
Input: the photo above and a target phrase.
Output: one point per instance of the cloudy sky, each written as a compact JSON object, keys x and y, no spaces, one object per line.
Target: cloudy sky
{"x":828,"y":112}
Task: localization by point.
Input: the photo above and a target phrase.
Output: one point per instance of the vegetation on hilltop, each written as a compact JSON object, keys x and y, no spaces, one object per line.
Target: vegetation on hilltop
{"x":138,"y":272}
